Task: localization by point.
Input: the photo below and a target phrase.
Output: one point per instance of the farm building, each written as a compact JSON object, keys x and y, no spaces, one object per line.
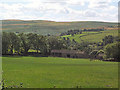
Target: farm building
{"x":69,"y":54}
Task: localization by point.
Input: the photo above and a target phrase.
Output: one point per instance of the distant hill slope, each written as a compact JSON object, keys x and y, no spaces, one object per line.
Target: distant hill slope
{"x":92,"y":36}
{"x":48,"y":27}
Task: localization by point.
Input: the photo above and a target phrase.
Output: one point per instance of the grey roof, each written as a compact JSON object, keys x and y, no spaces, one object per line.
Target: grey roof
{"x":68,"y":51}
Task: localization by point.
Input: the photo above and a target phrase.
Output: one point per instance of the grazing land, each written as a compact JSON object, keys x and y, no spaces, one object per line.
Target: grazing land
{"x":49,"y":27}
{"x":40,"y":72}
{"x":92,"y":36}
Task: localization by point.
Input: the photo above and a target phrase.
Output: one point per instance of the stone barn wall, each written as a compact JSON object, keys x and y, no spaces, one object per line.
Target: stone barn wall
{"x":69,"y":54}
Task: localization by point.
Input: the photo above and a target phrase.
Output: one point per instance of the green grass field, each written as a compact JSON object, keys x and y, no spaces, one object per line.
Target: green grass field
{"x":46,"y":72}
{"x":92,"y":36}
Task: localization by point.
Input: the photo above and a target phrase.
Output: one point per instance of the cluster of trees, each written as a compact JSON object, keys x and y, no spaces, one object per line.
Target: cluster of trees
{"x":97,"y":29}
{"x":112,"y":51}
{"x":71,"y":32}
{"x":21,"y":43}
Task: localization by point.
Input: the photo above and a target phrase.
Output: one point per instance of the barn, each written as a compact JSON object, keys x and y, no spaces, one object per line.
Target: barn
{"x":69,"y":54}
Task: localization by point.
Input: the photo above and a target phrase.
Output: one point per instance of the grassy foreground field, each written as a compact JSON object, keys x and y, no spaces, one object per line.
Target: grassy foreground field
{"x":41,"y":72}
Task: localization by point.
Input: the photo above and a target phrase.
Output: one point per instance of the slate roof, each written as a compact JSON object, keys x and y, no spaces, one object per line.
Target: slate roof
{"x":68,"y":51}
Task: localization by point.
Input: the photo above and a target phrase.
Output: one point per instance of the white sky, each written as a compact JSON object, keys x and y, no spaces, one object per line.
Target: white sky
{"x":60,"y":10}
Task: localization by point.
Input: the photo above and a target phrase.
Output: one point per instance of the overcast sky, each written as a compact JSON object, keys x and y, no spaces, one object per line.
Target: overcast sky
{"x":60,"y":10}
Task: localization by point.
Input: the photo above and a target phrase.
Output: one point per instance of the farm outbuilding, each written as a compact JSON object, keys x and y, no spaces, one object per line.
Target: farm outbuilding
{"x":69,"y":54}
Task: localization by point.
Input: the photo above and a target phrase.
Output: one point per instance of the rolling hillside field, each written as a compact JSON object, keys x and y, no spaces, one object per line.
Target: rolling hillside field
{"x":49,"y":72}
{"x":92,"y":36}
{"x":49,"y":27}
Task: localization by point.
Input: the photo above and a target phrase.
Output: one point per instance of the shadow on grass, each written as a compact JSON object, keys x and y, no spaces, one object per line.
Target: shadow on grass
{"x":19,"y":56}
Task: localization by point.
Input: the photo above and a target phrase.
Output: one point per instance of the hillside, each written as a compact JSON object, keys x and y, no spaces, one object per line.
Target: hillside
{"x":49,"y":27}
{"x":92,"y":36}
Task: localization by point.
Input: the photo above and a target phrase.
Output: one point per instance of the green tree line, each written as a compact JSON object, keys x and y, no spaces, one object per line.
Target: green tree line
{"x":21,"y":43}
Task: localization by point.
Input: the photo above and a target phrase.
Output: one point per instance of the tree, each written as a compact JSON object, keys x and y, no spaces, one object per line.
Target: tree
{"x":5,"y":43}
{"x":72,"y":34}
{"x":38,"y":42}
{"x":44,"y":46}
{"x":25,"y":43}
{"x":100,"y":51}
{"x":56,"y":43}
{"x":34,"y":40}
{"x":93,"y":54}
{"x":83,"y":45}
{"x":112,"y":50}
{"x":14,"y":42}
{"x":108,"y":39}
{"x":80,"y":32}
{"x":88,"y":49}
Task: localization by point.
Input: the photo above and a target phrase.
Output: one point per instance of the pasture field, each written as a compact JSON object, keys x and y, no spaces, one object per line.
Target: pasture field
{"x":92,"y":36}
{"x":46,"y":72}
{"x":49,"y":27}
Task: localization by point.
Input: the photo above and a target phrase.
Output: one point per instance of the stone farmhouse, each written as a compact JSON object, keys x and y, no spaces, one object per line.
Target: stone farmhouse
{"x":69,"y":54}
